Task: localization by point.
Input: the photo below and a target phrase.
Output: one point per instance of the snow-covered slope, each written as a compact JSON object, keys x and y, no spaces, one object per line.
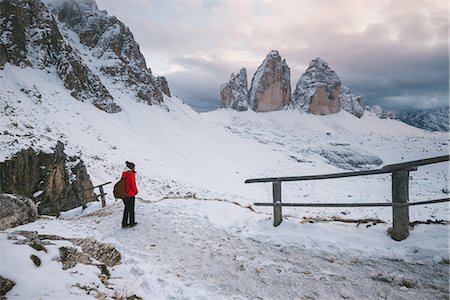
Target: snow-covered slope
{"x":181,"y":154}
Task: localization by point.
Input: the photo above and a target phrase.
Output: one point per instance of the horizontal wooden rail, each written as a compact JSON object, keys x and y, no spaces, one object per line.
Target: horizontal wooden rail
{"x":352,"y":204}
{"x":409,"y":166}
{"x":417,"y":163}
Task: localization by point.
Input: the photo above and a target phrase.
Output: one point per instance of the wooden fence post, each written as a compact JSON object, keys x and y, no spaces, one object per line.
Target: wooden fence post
{"x":276,"y":191}
{"x":102,"y":195}
{"x":400,"y":214}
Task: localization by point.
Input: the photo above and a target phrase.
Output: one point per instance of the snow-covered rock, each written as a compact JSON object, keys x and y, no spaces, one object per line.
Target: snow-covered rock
{"x":320,"y":91}
{"x":317,"y":91}
{"x":271,"y":85}
{"x":112,"y":43}
{"x":436,"y":119}
{"x":354,"y":104}
{"x":16,"y":210}
{"x":381,"y":112}
{"x":31,"y":37}
{"x":234,"y":94}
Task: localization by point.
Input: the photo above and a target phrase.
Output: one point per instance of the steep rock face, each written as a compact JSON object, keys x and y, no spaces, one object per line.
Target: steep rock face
{"x":16,"y":210}
{"x":354,"y":104}
{"x":234,"y":94}
{"x":435,"y":119}
{"x":320,"y":91}
{"x":317,"y":91}
{"x":31,"y":37}
{"x":56,"y":182}
{"x":163,"y":85}
{"x":271,"y":85}
{"x":111,"y":41}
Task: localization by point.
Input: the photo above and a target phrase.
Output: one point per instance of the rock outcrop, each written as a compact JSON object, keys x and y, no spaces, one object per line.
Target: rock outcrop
{"x":234,"y":94}
{"x":381,"y":112}
{"x":16,"y":210}
{"x":317,"y":91}
{"x":31,"y":37}
{"x":112,"y":42}
{"x":354,"y":104}
{"x":271,"y":85}
{"x":163,"y":85}
{"x":82,"y":45}
{"x":320,"y":91}
{"x":54,"y":181}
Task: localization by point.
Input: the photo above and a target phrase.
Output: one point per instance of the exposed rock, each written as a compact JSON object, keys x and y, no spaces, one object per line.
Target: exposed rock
{"x":320,"y":91}
{"x":111,"y":41}
{"x":381,"y":112}
{"x":317,"y":91}
{"x":5,"y":286}
{"x":70,"y":257}
{"x":55,"y":181}
{"x":105,"y":253}
{"x":16,"y":210}
{"x":36,"y":260}
{"x":31,"y":37}
{"x":234,"y":94}
{"x":352,"y":103}
{"x":271,"y":85}
{"x":162,"y":84}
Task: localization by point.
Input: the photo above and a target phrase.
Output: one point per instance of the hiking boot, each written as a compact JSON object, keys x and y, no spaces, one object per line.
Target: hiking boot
{"x":133,"y":224}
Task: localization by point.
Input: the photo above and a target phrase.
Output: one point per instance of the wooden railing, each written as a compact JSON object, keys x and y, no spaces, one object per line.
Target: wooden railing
{"x":102,"y":192}
{"x":400,"y":193}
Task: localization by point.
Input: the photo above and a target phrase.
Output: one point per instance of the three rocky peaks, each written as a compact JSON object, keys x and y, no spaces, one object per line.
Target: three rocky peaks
{"x":319,"y":90}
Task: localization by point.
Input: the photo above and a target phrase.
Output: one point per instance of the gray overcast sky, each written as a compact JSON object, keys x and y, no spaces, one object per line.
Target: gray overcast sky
{"x":394,"y":53}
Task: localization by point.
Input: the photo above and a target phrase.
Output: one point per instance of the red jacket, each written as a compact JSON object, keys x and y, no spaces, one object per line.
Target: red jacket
{"x":130,"y":183}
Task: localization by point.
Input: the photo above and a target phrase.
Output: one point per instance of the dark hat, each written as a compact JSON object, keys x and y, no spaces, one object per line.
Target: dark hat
{"x":130,"y":165}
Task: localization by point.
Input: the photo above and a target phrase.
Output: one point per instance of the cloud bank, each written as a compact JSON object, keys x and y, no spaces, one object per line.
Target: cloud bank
{"x":394,"y":53}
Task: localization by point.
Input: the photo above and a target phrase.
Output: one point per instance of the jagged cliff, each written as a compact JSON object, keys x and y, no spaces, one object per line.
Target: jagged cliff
{"x":234,"y":94}
{"x":81,"y":45}
{"x":55,"y":181}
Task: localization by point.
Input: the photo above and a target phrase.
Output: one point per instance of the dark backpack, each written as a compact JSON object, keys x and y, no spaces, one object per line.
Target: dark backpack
{"x":120,"y":188}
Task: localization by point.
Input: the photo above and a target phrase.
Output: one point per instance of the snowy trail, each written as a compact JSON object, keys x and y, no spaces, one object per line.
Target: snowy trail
{"x":174,"y":250}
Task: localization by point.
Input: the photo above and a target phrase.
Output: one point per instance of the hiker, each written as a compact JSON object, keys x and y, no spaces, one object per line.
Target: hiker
{"x":131,"y":189}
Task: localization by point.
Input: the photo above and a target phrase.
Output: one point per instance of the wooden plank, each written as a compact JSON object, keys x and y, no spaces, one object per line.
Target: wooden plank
{"x":417,"y":163}
{"x":400,"y":214}
{"x":353,"y":204}
{"x":411,"y":165}
{"x":102,"y":195}
{"x":323,"y":204}
{"x":276,"y":194}
{"x":100,"y":185}
{"x":316,"y":177}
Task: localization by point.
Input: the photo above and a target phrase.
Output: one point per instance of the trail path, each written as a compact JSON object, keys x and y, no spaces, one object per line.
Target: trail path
{"x":188,"y":256}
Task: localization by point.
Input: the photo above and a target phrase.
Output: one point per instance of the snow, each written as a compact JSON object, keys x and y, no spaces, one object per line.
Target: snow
{"x":199,"y":236}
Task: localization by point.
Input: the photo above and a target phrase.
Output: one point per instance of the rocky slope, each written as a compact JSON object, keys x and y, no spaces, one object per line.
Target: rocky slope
{"x":436,"y":119}
{"x":81,"y":45}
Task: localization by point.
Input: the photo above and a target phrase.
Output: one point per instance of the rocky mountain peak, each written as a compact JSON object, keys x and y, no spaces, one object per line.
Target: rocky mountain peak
{"x":320,"y":91}
{"x":234,"y":94}
{"x":81,"y":45}
{"x":271,"y":85}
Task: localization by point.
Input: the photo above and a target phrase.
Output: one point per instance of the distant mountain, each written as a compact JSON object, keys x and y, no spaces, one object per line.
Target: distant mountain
{"x":435,"y":119}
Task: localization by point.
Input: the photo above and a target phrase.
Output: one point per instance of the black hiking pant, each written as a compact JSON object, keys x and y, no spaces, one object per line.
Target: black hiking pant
{"x":128,"y":211}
